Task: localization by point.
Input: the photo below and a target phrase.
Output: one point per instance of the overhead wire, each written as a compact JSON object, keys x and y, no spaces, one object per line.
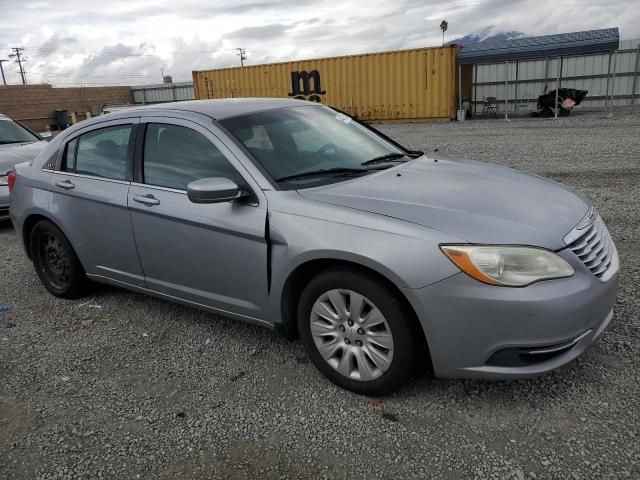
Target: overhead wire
{"x":124,"y":54}
{"x":109,"y":54}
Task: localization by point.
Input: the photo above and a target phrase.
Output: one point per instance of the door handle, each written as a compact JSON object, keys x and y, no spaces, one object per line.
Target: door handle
{"x":146,"y":199}
{"x":66,"y":184}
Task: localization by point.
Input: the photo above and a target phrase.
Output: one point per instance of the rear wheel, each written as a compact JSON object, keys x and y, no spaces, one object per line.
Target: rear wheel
{"x":56,"y":262}
{"x":357,"y":333}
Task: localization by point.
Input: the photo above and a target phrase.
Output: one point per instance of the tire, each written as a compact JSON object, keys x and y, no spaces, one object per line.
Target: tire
{"x":355,"y":356}
{"x":56,"y":262}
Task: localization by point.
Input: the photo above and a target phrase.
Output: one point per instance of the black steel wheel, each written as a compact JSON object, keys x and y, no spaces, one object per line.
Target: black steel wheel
{"x":56,"y":262}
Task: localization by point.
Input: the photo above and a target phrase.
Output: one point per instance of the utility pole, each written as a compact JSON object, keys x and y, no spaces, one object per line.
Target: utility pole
{"x":19,"y":60}
{"x":242,"y":53}
{"x":4,"y":80}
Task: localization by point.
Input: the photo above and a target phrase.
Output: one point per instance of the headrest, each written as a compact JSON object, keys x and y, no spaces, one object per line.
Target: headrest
{"x":244,"y":134}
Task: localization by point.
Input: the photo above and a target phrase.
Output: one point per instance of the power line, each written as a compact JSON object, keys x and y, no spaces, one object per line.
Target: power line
{"x":124,"y":54}
{"x":18,"y":59}
{"x":105,"y":84}
{"x":90,"y":75}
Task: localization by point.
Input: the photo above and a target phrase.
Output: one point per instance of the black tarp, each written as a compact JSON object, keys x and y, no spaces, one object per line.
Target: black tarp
{"x":547,"y":102}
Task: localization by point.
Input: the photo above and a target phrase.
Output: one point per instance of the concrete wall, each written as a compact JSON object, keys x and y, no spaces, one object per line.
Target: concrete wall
{"x":585,"y":72}
{"x":34,"y":105}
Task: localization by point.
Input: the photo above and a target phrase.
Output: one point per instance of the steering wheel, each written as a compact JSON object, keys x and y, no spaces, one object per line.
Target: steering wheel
{"x":327,"y":146}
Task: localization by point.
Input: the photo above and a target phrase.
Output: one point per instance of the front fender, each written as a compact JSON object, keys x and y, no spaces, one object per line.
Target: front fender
{"x":404,"y":253}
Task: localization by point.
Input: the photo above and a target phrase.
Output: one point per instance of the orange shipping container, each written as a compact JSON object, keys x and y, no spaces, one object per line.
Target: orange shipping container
{"x":417,"y":84}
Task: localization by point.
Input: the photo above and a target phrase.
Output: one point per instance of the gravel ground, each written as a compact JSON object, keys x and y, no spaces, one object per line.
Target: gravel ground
{"x":141,"y":388}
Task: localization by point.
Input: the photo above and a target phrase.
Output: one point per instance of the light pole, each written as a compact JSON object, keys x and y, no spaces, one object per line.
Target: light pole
{"x":443,"y":26}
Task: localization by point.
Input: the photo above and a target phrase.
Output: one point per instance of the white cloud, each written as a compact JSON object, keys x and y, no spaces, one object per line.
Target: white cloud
{"x":72,"y":41}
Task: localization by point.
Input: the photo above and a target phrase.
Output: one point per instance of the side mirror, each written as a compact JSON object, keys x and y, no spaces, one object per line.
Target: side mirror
{"x":214,"y":190}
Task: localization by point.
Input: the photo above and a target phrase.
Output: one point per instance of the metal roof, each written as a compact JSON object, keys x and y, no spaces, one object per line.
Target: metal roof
{"x":563,"y":44}
{"x":218,"y":108}
{"x":162,"y":85}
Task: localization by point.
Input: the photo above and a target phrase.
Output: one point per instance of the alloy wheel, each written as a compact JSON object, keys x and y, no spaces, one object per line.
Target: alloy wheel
{"x":351,"y":334}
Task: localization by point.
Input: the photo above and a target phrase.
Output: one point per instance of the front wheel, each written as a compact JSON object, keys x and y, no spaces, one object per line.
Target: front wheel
{"x":56,"y":262}
{"x":357,"y":333}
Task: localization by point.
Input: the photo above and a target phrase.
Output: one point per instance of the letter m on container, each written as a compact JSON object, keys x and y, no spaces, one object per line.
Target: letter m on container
{"x":301,"y":84}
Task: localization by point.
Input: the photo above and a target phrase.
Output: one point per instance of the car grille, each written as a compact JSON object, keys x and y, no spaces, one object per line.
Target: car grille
{"x":595,"y":248}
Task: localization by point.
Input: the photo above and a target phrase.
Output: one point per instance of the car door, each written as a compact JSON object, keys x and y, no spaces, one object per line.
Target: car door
{"x":213,"y":255}
{"x":89,"y":199}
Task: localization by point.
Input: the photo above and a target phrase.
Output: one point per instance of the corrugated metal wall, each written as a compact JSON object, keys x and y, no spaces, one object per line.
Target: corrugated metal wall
{"x":585,"y":72}
{"x":400,"y":85}
{"x":163,"y":92}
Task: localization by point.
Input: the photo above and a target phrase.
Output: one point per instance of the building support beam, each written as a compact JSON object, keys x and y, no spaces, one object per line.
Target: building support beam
{"x":459,"y":86}
{"x":635,"y":76}
{"x":559,"y":74}
{"x":546,"y":75}
{"x":515,"y":93}
{"x":475,"y":87}
{"x":613,"y":84}
{"x":606,"y":103}
{"x":506,"y":89}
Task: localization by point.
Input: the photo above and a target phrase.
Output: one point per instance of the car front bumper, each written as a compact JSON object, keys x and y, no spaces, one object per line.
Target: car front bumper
{"x":482,"y":331}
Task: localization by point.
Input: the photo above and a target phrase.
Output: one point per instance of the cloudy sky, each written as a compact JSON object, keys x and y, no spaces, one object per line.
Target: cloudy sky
{"x":70,"y":42}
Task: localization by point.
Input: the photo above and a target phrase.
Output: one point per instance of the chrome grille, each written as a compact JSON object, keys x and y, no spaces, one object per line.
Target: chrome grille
{"x":595,"y":248}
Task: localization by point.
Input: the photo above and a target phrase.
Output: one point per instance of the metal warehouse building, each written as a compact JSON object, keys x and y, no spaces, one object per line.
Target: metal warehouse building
{"x":517,"y":71}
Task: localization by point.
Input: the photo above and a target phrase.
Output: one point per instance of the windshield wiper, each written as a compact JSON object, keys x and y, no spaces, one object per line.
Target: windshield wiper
{"x":384,"y":158}
{"x":5,"y":142}
{"x":322,"y":171}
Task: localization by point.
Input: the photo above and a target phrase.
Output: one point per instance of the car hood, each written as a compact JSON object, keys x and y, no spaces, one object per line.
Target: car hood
{"x":15,"y":153}
{"x":476,"y":201}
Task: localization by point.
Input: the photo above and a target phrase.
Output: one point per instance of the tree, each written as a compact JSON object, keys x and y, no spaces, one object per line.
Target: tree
{"x":443,"y":26}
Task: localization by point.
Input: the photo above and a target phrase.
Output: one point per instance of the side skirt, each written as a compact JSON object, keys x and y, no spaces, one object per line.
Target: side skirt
{"x":188,"y":303}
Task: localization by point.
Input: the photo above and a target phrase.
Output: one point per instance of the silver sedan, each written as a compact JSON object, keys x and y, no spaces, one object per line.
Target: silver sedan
{"x":294,"y":216}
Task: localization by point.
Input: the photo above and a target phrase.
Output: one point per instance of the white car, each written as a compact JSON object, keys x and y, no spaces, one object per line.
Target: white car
{"x":17,"y":144}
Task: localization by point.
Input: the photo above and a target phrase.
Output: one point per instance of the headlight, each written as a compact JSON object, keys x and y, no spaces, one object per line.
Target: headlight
{"x":508,"y":266}
{"x":4,"y":180}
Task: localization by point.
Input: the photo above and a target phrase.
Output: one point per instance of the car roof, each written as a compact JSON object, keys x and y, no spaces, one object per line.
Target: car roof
{"x":218,"y":108}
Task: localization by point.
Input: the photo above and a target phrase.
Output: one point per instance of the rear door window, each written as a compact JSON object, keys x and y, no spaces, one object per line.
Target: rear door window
{"x":99,"y":153}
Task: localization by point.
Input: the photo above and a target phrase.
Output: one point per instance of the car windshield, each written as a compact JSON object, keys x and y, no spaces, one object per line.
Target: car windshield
{"x":12,"y":132}
{"x":312,"y":145}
